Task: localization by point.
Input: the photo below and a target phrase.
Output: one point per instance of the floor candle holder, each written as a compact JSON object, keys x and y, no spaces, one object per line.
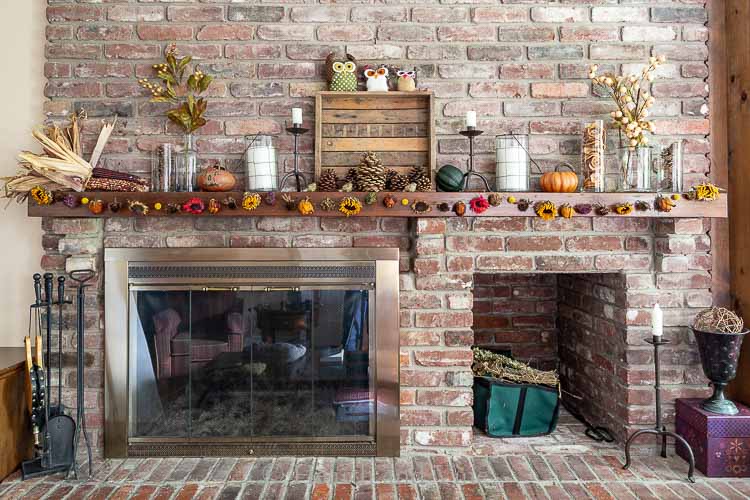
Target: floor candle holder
{"x":659,"y":429}
{"x":471,"y":133}
{"x":296,"y":130}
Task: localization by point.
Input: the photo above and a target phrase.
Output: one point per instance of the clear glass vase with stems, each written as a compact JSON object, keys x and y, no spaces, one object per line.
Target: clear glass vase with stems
{"x":635,"y":169}
{"x":186,"y":166}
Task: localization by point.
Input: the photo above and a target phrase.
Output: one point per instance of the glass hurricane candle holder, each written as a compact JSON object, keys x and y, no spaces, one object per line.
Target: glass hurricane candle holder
{"x":162,"y":164}
{"x":186,"y":167}
{"x":635,"y":169}
{"x":261,"y":166}
{"x":592,"y":156}
{"x":668,"y":167}
{"x":512,"y":170}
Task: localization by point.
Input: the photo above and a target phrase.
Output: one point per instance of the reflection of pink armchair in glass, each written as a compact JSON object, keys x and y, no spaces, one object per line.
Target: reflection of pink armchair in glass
{"x":176,"y":352}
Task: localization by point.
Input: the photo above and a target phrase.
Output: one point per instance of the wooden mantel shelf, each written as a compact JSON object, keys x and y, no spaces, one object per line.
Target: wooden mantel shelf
{"x":684,"y":209}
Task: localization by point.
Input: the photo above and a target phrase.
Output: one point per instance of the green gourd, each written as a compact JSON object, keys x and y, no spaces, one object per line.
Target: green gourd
{"x":449,"y":179}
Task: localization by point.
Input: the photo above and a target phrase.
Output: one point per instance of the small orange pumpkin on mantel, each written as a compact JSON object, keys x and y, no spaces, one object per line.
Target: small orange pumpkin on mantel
{"x":216,"y":179}
{"x":560,"y":181}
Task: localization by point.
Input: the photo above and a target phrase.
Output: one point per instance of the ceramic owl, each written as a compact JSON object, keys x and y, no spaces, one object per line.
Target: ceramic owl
{"x":407,"y":81}
{"x":377,"y":79}
{"x":341,"y":75}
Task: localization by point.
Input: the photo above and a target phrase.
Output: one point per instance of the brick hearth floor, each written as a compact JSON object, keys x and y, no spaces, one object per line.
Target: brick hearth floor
{"x":563,"y":465}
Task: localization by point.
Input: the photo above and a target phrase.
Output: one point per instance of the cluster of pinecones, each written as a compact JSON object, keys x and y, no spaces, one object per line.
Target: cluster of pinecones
{"x":372,"y":176}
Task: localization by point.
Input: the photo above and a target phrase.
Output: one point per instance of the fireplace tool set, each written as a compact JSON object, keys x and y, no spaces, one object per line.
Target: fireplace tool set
{"x":56,"y":433}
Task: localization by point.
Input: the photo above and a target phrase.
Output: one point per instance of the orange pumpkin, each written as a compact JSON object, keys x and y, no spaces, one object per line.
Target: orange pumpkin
{"x":560,"y":182}
{"x":216,"y":179}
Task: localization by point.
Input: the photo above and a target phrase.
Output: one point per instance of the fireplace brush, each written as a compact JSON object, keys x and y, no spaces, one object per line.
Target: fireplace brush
{"x":81,"y":277}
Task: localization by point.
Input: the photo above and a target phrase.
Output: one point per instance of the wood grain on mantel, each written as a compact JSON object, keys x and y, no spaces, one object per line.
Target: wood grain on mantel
{"x":684,"y":209}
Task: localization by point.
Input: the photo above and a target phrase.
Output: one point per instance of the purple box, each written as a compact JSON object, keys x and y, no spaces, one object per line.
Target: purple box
{"x":720,"y":443}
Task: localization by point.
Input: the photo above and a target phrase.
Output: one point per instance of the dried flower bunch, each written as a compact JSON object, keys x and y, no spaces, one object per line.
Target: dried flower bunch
{"x":630,"y":93}
{"x":718,"y":320}
{"x":489,"y":364}
{"x":174,"y":89}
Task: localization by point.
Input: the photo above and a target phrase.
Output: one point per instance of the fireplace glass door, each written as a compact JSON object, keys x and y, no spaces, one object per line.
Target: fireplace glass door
{"x":251,"y":362}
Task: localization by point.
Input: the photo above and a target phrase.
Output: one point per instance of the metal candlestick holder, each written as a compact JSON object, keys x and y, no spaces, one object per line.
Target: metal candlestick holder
{"x":471,"y":133}
{"x":660,"y":430}
{"x":296,"y":130}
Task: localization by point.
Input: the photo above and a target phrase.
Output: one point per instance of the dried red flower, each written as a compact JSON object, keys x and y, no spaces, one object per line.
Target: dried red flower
{"x":194,"y":206}
{"x":479,"y":204}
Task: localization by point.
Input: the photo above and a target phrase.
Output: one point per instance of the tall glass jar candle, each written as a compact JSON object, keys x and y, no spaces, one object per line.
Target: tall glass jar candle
{"x":592,"y":156}
{"x":162,"y":163}
{"x":261,"y":168}
{"x":512,"y":162}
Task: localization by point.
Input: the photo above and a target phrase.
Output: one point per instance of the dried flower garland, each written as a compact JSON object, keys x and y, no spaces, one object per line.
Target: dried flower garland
{"x":389,"y":201}
{"x":664,"y":204}
{"x":214,"y":206}
{"x":71,"y":201}
{"x":115,"y":206}
{"x":96,"y":207}
{"x":444,"y":207}
{"x":642,"y":206}
{"x":306,"y":207}
{"x":371,"y":198}
{"x":703,"y":192}
{"x":494,"y":199}
{"x":327,"y":205}
{"x":523,"y":204}
{"x":459,"y":208}
{"x":138,"y":208}
{"x":173,"y":208}
{"x":601,"y":209}
{"x":624,"y":208}
{"x":194,"y":206}
{"x":421,"y":207}
{"x":546,"y":210}
{"x":566,"y":211}
{"x":350,"y":206}
{"x":41,"y":195}
{"x":479,"y":204}
{"x":269,"y":198}
{"x":583,"y":208}
{"x":405,"y":202}
{"x":157,"y":206}
{"x":250,"y":201}
{"x":512,"y":199}
{"x":289,"y":201}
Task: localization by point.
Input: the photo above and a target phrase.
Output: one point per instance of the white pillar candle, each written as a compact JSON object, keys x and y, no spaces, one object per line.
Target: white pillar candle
{"x":471,"y":118}
{"x":297,"y":116}
{"x":657,"y":321}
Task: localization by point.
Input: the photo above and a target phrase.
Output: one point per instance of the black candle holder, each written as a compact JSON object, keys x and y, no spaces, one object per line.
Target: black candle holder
{"x":660,"y":430}
{"x":471,"y":133}
{"x":296,"y":130}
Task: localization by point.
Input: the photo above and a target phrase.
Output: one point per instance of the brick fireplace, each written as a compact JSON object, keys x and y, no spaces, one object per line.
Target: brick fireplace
{"x":593,"y":282}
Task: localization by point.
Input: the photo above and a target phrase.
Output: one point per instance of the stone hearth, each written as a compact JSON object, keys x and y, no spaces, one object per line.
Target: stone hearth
{"x":602,"y":318}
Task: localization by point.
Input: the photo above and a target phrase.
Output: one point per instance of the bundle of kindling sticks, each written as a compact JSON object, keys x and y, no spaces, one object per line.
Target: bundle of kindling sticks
{"x":61,"y":166}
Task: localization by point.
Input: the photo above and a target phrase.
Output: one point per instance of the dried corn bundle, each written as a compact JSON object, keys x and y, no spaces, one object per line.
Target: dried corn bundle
{"x":101,"y":184}
{"x":61,"y":166}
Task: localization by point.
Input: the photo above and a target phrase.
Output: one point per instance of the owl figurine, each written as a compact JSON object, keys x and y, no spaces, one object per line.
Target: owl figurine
{"x":377,"y":79}
{"x":407,"y":81}
{"x":341,"y":75}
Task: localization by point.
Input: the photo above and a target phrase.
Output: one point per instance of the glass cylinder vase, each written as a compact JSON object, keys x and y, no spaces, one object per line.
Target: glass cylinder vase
{"x":261,"y":167}
{"x":592,"y":156}
{"x":186,"y":167}
{"x":512,"y":162}
{"x":162,"y":165}
{"x":668,"y":168}
{"x":634,"y":169}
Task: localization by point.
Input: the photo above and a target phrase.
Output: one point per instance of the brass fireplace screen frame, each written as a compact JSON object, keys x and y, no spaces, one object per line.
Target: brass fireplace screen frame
{"x":122,"y":267}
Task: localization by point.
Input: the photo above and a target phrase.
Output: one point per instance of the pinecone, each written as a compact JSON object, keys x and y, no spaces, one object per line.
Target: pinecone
{"x":419,"y":176}
{"x":370,"y":173}
{"x":399,"y":182}
{"x":351,"y":175}
{"x":328,"y":181}
{"x":390,"y":174}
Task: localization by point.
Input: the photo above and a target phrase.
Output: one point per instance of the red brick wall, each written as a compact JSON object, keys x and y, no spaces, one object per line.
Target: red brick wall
{"x":518,"y":312}
{"x":522,"y":67}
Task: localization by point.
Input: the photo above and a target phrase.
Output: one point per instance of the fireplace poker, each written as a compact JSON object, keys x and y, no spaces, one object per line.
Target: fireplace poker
{"x":47,"y":454}
{"x":81,"y":277}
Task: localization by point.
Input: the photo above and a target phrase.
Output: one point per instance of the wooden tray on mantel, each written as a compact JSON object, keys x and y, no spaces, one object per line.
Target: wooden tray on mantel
{"x":684,"y":209}
{"x":397,"y":126}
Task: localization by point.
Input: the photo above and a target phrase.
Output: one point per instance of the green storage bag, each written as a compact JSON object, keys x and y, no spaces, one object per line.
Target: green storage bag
{"x":502,"y":409}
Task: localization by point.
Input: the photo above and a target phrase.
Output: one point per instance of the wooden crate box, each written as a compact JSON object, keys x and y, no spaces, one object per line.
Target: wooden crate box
{"x":398,"y":126}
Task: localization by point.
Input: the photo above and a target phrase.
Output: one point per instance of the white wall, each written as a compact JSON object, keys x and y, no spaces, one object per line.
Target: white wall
{"x":22,"y":26}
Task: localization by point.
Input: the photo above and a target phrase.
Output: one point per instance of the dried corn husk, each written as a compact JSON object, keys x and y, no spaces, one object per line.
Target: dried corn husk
{"x":61,"y":166}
